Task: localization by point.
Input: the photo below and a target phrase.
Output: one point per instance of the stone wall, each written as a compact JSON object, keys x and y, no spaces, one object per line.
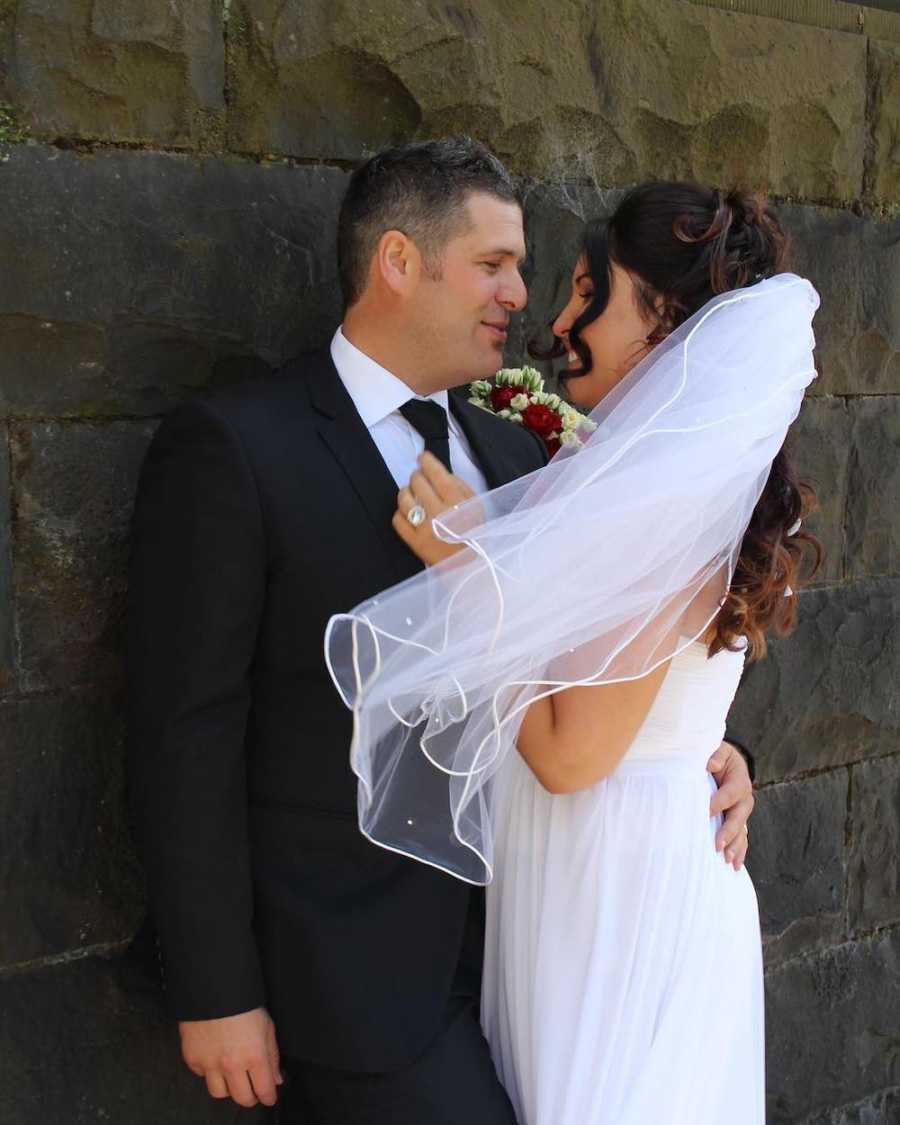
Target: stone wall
{"x":170,"y":172}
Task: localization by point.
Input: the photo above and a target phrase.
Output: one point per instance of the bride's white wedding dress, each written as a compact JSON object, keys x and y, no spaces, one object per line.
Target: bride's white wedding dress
{"x":623,"y":966}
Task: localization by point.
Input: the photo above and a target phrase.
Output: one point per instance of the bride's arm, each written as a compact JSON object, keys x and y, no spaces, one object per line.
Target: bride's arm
{"x":575,"y":738}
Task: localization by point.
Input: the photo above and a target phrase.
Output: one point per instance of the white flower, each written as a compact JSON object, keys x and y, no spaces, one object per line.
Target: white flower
{"x":569,"y":437}
{"x":526,"y":377}
{"x":520,"y":402}
{"x":532,"y":379}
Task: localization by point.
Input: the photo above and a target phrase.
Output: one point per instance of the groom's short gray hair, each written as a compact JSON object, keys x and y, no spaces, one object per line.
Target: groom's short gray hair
{"x":420,"y":189}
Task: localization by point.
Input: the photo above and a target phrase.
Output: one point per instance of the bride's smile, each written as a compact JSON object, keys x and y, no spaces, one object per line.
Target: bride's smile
{"x":612,"y":343}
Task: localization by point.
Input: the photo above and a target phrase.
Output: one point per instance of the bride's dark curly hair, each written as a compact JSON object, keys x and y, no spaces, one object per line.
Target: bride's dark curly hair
{"x":683,"y":244}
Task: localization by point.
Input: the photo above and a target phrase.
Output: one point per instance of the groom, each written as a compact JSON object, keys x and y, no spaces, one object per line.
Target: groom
{"x":262,"y":511}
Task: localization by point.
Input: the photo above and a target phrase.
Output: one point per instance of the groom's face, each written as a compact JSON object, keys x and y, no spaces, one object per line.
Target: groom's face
{"x":465,"y":305}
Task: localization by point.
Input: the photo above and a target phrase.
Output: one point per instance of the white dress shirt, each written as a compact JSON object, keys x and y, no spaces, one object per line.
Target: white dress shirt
{"x":378,"y":396}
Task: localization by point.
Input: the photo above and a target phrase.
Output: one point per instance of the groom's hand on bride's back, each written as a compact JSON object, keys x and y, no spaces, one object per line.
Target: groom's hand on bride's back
{"x":237,"y":1055}
{"x":734,"y":800}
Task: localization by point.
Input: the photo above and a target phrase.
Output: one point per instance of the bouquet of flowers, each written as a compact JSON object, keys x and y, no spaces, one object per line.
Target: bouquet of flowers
{"x":517,"y":393}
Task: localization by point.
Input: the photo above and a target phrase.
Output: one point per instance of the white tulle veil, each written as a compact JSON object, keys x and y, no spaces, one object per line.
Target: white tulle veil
{"x":595,"y":569}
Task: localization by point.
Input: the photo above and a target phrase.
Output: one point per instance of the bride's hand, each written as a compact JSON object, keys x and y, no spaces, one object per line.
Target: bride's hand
{"x":435,"y":490}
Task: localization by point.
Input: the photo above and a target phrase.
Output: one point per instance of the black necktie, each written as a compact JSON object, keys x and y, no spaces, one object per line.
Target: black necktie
{"x":430,"y":419}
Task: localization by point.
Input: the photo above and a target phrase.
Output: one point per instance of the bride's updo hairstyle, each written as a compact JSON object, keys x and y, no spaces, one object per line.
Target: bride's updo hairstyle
{"x":683,"y":244}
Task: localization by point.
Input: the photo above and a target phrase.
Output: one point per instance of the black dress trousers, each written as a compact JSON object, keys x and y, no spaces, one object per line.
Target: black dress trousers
{"x":452,"y":1083}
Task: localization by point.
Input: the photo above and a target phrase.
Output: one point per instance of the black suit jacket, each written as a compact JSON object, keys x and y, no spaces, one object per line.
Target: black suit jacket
{"x":261,"y":512}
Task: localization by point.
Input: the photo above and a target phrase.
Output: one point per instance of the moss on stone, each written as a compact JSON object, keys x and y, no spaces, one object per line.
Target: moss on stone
{"x":209,"y":130}
{"x":12,"y":130}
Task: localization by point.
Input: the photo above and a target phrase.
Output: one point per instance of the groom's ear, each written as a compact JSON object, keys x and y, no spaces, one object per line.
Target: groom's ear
{"x":397,"y":262}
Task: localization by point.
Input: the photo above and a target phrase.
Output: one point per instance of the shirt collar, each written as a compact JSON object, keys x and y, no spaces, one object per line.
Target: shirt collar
{"x":376,"y":393}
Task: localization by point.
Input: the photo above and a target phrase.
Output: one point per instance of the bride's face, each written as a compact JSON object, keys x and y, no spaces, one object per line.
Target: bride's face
{"x":617,"y":339}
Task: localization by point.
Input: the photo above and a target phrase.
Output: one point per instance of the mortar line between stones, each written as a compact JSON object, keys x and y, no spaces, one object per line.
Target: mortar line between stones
{"x":91,"y":145}
{"x":876,"y":933}
{"x":226,"y":67}
{"x":13,"y":601}
{"x":845,"y":512}
{"x":869,"y":163}
{"x":102,"y":691}
{"x":76,"y":420}
{"x":848,"y":849}
{"x":809,"y":775}
{"x":853,"y":396}
{"x":64,"y":958}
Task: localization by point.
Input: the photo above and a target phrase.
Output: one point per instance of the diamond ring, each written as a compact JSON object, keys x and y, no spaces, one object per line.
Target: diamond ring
{"x":416,"y":515}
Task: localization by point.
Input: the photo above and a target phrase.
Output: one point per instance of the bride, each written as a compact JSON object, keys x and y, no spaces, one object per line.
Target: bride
{"x":566,"y":664}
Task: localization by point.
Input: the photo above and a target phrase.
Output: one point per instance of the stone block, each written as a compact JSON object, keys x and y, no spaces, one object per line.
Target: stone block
{"x":833,"y":1023}
{"x":643,"y":89}
{"x":66,"y":361}
{"x":797,"y":864}
{"x":820,"y":443}
{"x":874,"y":863}
{"x":724,"y":96}
{"x":7,"y":625}
{"x":140,"y":277}
{"x":96,"y":69}
{"x":68,"y":878}
{"x":827,"y":695}
{"x":883,"y":171}
{"x":873,"y":501}
{"x":319,"y":81}
{"x":316,"y":80}
{"x":78,"y":1047}
{"x":854,"y":263}
{"x":73,"y":488}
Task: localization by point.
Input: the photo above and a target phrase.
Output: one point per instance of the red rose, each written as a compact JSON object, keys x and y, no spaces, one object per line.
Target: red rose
{"x":542,"y":420}
{"x":553,"y":445}
{"x":501,"y":397}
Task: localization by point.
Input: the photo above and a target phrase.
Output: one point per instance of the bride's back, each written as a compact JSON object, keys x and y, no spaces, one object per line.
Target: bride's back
{"x":687,"y":717}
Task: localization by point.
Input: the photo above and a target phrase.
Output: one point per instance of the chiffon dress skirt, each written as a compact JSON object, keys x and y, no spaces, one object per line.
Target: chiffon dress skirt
{"x":623,"y":965}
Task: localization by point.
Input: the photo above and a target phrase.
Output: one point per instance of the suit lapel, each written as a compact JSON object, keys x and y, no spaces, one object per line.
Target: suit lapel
{"x":500,"y":459}
{"x":345,"y":435}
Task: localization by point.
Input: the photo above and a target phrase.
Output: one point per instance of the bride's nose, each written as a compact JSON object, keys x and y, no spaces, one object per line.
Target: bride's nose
{"x":562,"y":324}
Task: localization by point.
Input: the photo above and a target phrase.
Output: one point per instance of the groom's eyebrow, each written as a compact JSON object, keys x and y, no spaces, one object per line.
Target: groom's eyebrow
{"x":505,"y":252}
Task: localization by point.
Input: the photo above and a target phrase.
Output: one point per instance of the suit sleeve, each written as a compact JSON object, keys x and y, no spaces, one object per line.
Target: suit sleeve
{"x":196,"y":591}
{"x":738,"y":740}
